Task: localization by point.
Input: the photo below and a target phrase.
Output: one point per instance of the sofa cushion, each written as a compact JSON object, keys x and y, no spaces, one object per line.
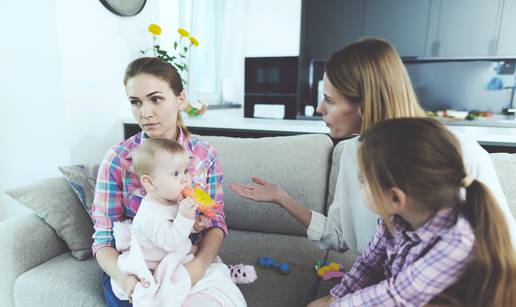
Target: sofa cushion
{"x":56,"y":203}
{"x":272,"y":288}
{"x":81,"y":179}
{"x":62,"y":281}
{"x":334,"y":171}
{"x":299,"y":164}
{"x":505,"y":166}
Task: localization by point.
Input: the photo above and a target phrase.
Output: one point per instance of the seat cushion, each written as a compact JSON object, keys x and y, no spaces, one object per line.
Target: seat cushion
{"x":272,"y":288}
{"x":505,"y":166}
{"x":299,"y":164}
{"x":62,"y":281}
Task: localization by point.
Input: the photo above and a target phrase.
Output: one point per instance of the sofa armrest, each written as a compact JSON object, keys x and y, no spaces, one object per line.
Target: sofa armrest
{"x":27,"y":241}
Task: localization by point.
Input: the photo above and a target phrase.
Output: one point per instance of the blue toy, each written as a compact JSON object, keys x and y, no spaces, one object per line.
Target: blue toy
{"x":268,"y":262}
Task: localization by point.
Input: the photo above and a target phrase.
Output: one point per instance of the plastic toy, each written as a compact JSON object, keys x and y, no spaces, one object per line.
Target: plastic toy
{"x":242,"y":273}
{"x":207,"y":205}
{"x":327,"y":270}
{"x":268,"y":262}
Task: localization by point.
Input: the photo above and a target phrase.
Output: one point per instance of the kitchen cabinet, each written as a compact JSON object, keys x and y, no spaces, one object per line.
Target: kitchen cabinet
{"x":330,"y":25}
{"x":401,"y":22}
{"x":417,"y":28}
{"x":463,"y":28}
{"x":507,"y":40}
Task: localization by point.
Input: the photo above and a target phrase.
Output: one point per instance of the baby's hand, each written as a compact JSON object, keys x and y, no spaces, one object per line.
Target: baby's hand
{"x":187,"y":208}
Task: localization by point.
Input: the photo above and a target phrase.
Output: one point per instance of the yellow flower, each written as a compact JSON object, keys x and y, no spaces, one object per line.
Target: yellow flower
{"x":194,"y":41}
{"x":183,"y":32}
{"x":154,"y":29}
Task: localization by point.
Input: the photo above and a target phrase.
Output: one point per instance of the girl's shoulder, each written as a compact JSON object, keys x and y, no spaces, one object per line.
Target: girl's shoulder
{"x":460,"y":234}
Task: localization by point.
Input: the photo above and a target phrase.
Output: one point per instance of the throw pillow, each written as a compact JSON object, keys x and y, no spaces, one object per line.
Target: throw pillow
{"x":82,"y":179}
{"x":55,"y":202}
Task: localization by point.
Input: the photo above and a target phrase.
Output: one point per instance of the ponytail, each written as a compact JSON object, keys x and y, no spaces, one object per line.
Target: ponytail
{"x":490,"y":278}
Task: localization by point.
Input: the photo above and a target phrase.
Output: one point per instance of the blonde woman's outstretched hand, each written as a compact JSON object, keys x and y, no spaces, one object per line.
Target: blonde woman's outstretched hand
{"x":261,"y":191}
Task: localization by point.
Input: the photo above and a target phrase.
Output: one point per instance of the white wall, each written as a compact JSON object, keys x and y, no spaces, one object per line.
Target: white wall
{"x":62,"y":65}
{"x":62,"y":95}
{"x":32,"y":116}
{"x":272,"y":27}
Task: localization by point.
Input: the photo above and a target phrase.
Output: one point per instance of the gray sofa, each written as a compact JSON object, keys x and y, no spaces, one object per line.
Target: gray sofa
{"x":40,"y":271}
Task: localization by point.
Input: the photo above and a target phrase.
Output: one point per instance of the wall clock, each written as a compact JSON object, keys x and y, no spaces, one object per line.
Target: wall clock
{"x":124,"y":8}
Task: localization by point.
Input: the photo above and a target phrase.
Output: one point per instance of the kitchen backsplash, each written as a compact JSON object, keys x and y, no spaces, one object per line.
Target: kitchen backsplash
{"x":459,"y":85}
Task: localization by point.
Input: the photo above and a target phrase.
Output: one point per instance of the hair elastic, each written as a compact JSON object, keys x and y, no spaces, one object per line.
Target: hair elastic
{"x":466,"y":181}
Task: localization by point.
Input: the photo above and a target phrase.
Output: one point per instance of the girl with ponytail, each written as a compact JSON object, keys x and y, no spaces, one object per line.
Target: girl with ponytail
{"x":441,"y":238}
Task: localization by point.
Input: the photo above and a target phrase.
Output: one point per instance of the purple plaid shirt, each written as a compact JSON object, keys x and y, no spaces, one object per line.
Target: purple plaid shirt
{"x":408,"y":268}
{"x":118,"y":192}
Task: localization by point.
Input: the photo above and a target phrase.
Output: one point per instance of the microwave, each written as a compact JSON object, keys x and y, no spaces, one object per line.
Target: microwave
{"x":271,"y":75}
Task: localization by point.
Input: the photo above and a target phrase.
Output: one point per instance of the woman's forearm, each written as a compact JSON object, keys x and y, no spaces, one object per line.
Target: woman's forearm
{"x":210,"y":246}
{"x":296,"y":209}
{"x":107,"y":258}
{"x":208,"y":249}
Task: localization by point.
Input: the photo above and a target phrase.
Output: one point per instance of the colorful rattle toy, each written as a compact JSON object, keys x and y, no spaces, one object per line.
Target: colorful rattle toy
{"x":207,"y":205}
{"x":268,"y":262}
{"x":327,"y":270}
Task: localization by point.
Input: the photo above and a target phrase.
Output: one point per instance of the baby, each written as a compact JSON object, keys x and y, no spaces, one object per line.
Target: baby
{"x":158,"y":243}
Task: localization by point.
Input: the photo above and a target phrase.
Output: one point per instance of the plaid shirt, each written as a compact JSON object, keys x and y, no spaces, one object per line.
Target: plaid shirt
{"x":118,"y":192}
{"x":408,"y":268}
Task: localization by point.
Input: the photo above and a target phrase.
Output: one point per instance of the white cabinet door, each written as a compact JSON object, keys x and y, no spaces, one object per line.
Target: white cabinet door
{"x":507,"y":41}
{"x":463,"y":27}
{"x":402,"y":22}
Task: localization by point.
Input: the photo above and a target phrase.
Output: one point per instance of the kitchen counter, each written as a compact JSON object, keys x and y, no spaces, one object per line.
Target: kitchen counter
{"x":233,"y":119}
{"x":497,"y":120}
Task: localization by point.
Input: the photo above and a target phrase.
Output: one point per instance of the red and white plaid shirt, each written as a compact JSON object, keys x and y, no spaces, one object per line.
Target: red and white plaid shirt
{"x":118,"y":192}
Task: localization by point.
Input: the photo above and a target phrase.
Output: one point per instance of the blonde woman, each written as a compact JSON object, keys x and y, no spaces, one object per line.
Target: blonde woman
{"x":364,"y":83}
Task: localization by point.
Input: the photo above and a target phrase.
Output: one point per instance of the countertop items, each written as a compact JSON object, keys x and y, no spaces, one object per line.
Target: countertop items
{"x":495,"y":131}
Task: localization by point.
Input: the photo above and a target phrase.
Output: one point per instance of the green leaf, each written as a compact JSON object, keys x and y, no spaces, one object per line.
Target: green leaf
{"x":185,"y":49}
{"x":175,"y":45}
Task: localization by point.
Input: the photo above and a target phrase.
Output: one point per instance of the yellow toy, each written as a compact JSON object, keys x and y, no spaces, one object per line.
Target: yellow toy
{"x":328,"y":271}
{"x":207,"y":205}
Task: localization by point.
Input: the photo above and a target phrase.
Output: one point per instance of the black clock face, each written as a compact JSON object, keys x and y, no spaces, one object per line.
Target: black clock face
{"x":124,"y":7}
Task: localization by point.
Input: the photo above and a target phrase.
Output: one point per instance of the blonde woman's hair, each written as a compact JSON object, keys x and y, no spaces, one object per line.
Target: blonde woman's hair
{"x":144,"y":157}
{"x":423,"y":159}
{"x":162,"y":70}
{"x":370,"y":72}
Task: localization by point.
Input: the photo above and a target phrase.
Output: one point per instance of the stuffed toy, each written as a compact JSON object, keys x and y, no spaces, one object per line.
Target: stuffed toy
{"x":242,"y":273}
